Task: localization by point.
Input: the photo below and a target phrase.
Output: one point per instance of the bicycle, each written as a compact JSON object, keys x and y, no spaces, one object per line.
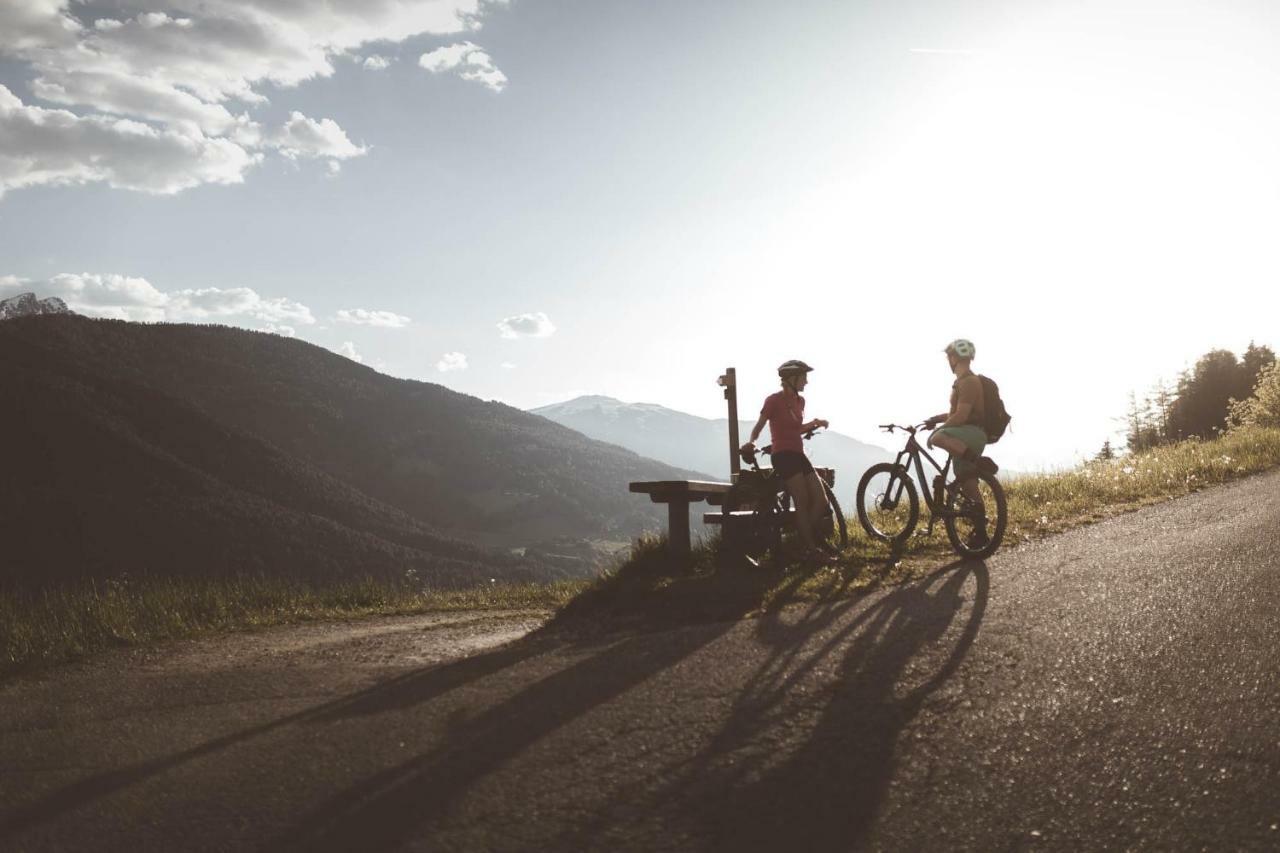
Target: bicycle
{"x":758,"y":529}
{"x":889,"y":506}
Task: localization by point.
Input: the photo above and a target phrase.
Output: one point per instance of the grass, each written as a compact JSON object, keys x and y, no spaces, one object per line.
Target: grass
{"x":63,"y":623}
{"x":642,"y":588}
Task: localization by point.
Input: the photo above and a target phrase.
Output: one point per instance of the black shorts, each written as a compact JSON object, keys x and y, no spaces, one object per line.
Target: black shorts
{"x":788,"y":463}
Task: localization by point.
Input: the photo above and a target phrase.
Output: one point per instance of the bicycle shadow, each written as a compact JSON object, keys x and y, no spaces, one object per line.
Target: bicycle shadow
{"x":825,"y":794}
{"x":831,"y":788}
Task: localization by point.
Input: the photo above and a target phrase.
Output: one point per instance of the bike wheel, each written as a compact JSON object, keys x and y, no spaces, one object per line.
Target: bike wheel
{"x":888,"y":506}
{"x":839,"y":534}
{"x":966,"y":523}
{"x":773,"y":518}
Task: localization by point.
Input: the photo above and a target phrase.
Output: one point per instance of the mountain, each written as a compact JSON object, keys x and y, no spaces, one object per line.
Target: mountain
{"x":203,"y":449}
{"x":700,"y":444}
{"x":26,"y":305}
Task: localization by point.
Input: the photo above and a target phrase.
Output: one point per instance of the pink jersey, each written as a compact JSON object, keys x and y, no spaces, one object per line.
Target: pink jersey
{"x":786,"y":414}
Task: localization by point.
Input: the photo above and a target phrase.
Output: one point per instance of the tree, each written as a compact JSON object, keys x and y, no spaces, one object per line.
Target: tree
{"x":1200,"y":408}
{"x":1106,"y":454}
{"x":1263,"y":408}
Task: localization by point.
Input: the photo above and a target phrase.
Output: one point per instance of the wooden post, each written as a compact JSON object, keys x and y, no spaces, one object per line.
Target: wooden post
{"x":730,"y":383}
{"x":678,"y":528}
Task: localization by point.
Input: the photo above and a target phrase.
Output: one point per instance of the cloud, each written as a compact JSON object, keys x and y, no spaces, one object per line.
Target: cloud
{"x":305,"y":137}
{"x":363,"y":317}
{"x":469,"y":61}
{"x":121,"y":297}
{"x":349,"y":350}
{"x":535,"y":325}
{"x":212,"y":303}
{"x":451,"y":361}
{"x":376,"y":63}
{"x":506,"y":365}
{"x":40,"y":146}
{"x":158,"y":96}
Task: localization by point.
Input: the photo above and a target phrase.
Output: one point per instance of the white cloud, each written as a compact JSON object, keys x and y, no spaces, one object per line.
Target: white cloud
{"x":469,"y":61}
{"x":212,"y":303}
{"x":349,"y":350}
{"x":506,"y":365}
{"x":364,"y":317}
{"x":40,"y":146}
{"x":535,"y":325}
{"x":162,"y":90}
{"x":121,"y":297}
{"x":305,"y":137}
{"x":376,"y":63}
{"x":451,"y":361}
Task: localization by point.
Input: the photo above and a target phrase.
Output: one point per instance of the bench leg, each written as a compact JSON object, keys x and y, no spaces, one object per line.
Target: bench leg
{"x":678,"y":529}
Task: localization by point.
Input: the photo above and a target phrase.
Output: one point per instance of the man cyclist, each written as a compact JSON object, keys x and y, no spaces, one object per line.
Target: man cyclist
{"x":963,"y":434}
{"x":784,"y":412}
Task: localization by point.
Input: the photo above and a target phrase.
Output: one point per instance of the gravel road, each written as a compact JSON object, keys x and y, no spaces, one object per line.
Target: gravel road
{"x":1114,"y":687}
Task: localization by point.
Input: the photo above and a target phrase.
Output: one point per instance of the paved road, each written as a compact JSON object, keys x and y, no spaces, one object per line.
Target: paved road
{"x":1114,"y":687}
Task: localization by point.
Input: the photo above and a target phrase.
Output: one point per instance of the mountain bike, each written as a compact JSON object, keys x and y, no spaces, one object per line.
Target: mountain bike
{"x":889,"y":506}
{"x":758,"y":509}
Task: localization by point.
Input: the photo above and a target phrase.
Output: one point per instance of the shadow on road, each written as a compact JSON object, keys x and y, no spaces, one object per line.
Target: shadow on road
{"x":819,"y":794}
{"x":750,"y":789}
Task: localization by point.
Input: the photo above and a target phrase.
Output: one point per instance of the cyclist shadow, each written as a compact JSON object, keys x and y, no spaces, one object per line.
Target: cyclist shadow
{"x":825,"y":795}
{"x":826,"y":792}
{"x":620,"y":636}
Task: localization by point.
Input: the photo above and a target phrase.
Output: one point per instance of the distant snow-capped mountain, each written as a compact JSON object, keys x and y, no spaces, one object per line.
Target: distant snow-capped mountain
{"x":26,"y":304}
{"x":698,"y":444}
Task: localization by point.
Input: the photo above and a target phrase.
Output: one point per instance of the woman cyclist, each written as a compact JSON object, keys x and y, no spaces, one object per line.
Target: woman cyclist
{"x":784,"y":412}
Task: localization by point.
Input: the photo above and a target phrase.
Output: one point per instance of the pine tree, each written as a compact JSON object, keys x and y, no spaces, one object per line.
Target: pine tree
{"x":1106,"y":454}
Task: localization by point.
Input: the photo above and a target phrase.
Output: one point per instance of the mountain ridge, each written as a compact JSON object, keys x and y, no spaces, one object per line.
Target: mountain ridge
{"x":161,"y":446}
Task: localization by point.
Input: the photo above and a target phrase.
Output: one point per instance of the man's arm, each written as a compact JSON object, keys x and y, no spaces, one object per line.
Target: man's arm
{"x":755,"y":431}
{"x":968,"y":395}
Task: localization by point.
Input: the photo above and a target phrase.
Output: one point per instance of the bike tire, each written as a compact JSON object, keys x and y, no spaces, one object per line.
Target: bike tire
{"x":841,"y":531}
{"x":772,"y":525}
{"x":877,"y":528}
{"x":958,"y":536}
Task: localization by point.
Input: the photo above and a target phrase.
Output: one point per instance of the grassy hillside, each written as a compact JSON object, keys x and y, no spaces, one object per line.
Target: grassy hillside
{"x":454,"y":464}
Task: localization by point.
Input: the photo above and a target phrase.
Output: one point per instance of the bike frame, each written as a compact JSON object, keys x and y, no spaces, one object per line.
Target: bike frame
{"x":913,"y":451}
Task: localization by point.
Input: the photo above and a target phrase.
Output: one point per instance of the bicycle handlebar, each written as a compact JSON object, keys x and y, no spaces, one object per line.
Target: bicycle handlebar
{"x":911,"y":429}
{"x":749,"y":456}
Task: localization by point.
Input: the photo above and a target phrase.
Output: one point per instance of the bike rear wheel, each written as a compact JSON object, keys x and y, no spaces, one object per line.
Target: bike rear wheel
{"x":976,"y":531}
{"x":839,"y":534}
{"x":888,"y":506}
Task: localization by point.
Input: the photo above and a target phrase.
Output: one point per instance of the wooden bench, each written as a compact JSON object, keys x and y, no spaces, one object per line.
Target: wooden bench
{"x":677,"y":495}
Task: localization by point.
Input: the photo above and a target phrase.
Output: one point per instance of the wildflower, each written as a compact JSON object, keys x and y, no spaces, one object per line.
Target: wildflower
{"x":1128,"y":469}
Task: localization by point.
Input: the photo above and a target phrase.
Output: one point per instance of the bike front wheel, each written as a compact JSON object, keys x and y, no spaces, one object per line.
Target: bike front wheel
{"x":975,"y":529}
{"x":888,"y":506}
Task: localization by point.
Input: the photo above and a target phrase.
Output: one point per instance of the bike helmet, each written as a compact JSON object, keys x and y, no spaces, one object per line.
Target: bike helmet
{"x":961,"y":348}
{"x":792,"y":367}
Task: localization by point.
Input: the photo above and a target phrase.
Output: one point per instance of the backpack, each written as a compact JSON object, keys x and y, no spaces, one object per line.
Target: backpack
{"x":996,"y":419}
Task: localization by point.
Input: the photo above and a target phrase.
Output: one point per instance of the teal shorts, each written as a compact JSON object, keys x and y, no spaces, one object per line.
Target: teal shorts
{"x":973,"y":437}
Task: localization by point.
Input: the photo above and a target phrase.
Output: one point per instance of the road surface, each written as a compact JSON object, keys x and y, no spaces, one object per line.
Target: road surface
{"x":1113,"y":687}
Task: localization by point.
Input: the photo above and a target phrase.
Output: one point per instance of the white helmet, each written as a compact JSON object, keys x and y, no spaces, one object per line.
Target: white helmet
{"x":961,"y":348}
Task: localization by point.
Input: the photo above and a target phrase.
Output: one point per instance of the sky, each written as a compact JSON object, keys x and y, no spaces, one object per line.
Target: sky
{"x":536,"y":199}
